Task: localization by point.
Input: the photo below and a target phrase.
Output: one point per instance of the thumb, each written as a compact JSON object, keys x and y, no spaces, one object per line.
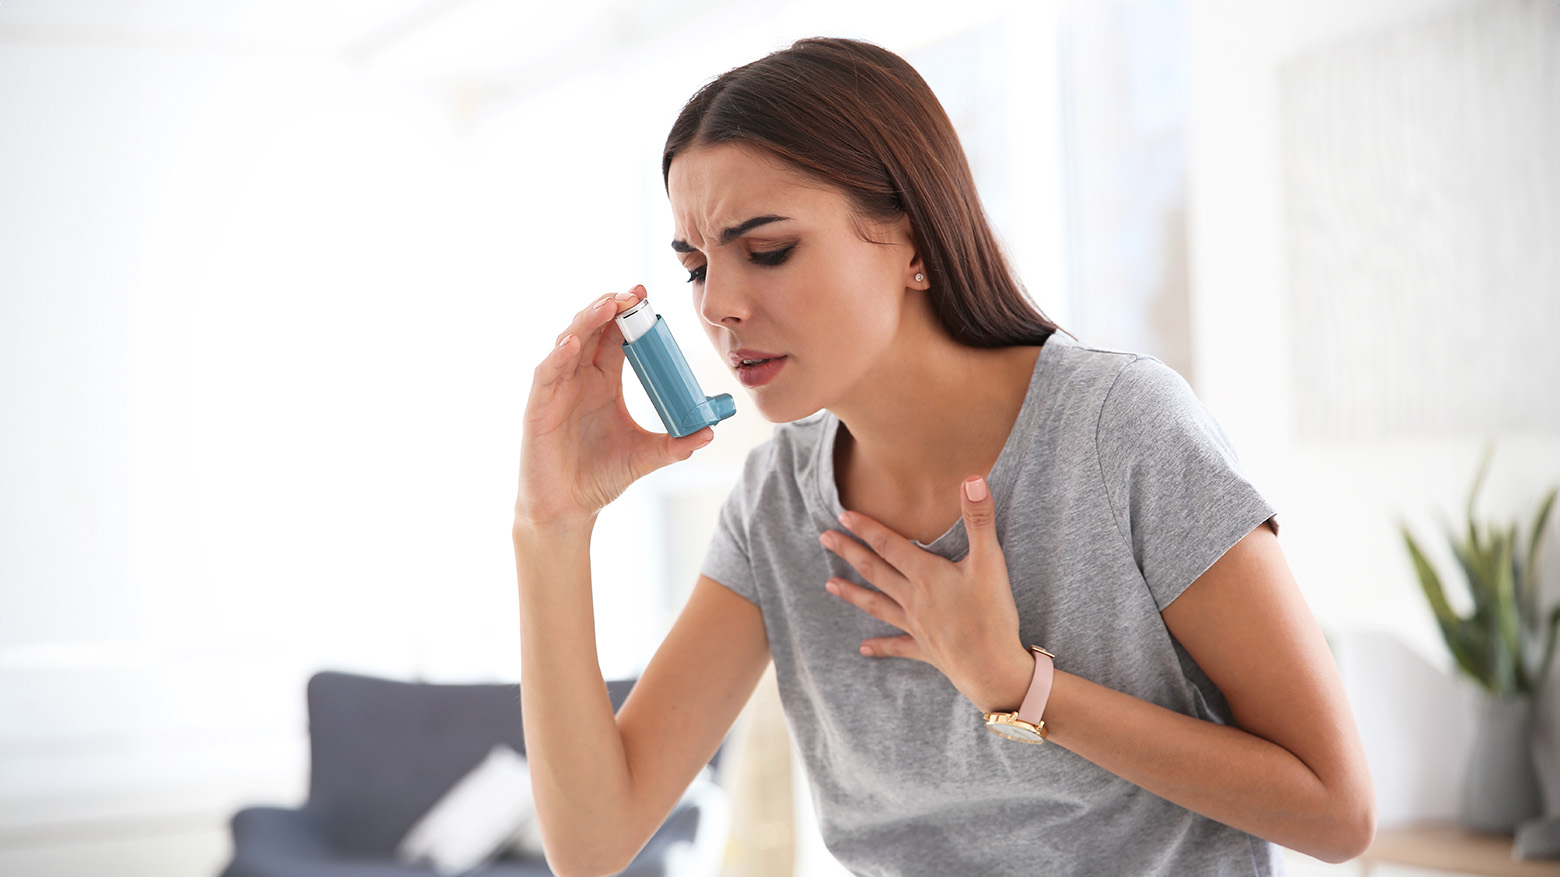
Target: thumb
{"x":660,"y":450}
{"x":980,"y":515}
{"x":675,"y":450}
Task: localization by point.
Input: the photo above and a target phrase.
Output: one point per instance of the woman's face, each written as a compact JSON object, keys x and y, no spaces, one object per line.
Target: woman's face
{"x":802,"y":307}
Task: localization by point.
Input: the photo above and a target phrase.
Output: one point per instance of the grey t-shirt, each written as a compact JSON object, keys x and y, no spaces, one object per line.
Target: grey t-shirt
{"x":1115,"y":490}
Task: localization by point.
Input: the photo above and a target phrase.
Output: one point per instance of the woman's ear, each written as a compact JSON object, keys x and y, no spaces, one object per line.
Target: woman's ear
{"x":915,"y":272}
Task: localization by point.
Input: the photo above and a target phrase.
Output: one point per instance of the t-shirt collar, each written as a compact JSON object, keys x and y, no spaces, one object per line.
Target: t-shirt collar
{"x":824,"y":495}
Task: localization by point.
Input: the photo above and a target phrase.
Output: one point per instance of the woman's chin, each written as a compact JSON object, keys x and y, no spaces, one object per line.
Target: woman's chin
{"x":778,"y":410}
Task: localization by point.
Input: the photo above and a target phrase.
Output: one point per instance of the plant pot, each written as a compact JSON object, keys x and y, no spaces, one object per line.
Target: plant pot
{"x":1500,"y":787}
{"x":1546,"y":743}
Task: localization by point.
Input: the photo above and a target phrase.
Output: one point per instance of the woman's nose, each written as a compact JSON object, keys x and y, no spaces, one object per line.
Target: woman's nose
{"x":725,"y":301}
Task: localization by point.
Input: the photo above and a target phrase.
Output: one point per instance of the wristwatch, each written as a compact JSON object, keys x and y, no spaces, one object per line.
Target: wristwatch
{"x":1025,"y":724}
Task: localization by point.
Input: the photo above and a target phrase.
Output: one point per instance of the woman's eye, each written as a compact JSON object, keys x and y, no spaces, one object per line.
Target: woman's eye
{"x":767,"y":258}
{"x":771,"y":257}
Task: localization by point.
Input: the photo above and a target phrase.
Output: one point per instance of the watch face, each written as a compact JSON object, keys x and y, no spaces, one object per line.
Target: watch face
{"x":1022,"y":731}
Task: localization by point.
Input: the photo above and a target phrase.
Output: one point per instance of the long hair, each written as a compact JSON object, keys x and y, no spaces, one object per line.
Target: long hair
{"x":859,"y":118}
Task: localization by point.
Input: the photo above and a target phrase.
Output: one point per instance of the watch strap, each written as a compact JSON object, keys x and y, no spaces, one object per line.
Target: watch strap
{"x":1033,"y":707}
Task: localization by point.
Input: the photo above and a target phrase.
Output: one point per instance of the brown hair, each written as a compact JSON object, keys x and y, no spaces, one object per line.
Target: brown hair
{"x":859,"y":118}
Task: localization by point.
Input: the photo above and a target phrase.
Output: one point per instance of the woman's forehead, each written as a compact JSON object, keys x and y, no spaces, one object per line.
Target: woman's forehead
{"x":713,"y":188}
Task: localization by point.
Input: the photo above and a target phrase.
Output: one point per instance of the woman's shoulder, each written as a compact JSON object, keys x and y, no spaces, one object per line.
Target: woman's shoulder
{"x":1138,"y":405}
{"x":1099,"y":378}
{"x":1093,"y":364}
{"x":791,"y":452}
{"x":1121,"y":399}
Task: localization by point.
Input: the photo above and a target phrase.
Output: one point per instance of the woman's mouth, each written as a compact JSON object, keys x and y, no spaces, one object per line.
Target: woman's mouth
{"x":757,"y":371}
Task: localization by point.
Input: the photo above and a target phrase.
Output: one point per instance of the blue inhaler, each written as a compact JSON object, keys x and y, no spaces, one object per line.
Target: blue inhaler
{"x":658,"y":361}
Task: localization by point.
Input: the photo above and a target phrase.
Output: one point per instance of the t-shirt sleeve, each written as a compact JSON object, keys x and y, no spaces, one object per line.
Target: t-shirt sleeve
{"x":1172,"y":478}
{"x":728,"y":559}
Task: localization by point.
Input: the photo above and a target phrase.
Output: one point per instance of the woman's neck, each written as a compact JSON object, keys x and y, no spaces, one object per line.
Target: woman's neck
{"x":925,"y":422}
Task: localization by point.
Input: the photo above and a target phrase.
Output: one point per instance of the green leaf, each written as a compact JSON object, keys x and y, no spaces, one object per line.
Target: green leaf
{"x":1507,"y":626}
{"x":1470,"y":558}
{"x":1546,"y":661}
{"x":1429,"y":580}
{"x":1474,"y":548}
{"x":1539,"y":522}
{"x":1478,"y":480}
{"x":1527,"y":576}
{"x":1509,"y":661}
{"x":1466,"y":640}
{"x":1471,"y":647}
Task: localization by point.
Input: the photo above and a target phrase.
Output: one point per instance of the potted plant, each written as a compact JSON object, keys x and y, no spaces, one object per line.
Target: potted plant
{"x":1506,"y":645}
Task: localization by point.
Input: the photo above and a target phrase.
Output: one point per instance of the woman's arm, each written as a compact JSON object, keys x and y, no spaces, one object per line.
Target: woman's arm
{"x":1291,"y":770}
{"x":604,"y":784}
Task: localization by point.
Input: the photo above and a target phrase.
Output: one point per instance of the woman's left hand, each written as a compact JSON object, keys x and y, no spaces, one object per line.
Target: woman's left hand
{"x":958,"y":617}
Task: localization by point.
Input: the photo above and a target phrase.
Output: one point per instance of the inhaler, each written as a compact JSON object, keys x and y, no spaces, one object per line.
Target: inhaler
{"x":659,"y":362}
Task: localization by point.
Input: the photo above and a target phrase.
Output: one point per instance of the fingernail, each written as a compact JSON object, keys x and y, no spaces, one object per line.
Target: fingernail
{"x":601,"y":304}
{"x":975,"y":489}
{"x":625,"y":296}
{"x":565,"y":340}
{"x":827,"y":540}
{"x":866,"y":650}
{"x":831,"y":587}
{"x":845,"y":518}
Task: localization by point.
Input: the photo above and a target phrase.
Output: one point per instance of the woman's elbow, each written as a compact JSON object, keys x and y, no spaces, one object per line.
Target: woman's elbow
{"x":1350,"y":830}
{"x":585,"y":863}
{"x":587,"y":854}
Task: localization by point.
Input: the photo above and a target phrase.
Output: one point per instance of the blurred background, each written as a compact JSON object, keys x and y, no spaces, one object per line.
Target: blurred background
{"x":274,"y":276}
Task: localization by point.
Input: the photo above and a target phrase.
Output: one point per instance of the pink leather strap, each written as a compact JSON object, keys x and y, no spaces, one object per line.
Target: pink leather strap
{"x":1033,"y":706}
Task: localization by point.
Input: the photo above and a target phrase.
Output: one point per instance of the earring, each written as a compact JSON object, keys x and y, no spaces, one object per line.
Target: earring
{"x":920,"y":278}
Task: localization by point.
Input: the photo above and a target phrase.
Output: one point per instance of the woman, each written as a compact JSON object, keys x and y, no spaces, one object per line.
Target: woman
{"x":953,"y":483}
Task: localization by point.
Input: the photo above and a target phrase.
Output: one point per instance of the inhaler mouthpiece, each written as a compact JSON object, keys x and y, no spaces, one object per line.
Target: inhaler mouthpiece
{"x":659,"y":362}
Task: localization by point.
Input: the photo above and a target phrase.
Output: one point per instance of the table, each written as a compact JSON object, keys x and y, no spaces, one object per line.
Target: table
{"x":1446,"y":847}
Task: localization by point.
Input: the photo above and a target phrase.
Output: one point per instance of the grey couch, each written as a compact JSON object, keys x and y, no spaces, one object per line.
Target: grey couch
{"x":382,"y":753}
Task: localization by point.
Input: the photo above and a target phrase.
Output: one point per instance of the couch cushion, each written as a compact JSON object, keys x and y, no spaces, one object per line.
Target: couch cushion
{"x":476,"y":819}
{"x":383,"y":752}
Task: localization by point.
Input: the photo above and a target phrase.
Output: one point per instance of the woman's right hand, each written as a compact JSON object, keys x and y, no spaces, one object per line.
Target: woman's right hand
{"x":581,"y":448}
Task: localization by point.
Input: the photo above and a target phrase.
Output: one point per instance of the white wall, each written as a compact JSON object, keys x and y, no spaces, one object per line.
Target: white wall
{"x":267,"y":321}
{"x":249,"y":358}
{"x":1340,"y":498}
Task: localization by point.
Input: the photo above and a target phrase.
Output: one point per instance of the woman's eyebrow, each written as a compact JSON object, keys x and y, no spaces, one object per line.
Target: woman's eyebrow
{"x":733,"y":232}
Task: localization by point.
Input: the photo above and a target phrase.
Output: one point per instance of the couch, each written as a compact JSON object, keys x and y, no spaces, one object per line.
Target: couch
{"x":383,"y":752}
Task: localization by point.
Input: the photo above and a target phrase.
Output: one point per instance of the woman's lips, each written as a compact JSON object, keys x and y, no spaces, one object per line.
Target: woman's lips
{"x":758,"y":371}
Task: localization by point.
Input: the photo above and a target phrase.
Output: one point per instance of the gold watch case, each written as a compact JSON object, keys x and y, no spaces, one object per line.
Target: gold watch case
{"x":1012,"y":727}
